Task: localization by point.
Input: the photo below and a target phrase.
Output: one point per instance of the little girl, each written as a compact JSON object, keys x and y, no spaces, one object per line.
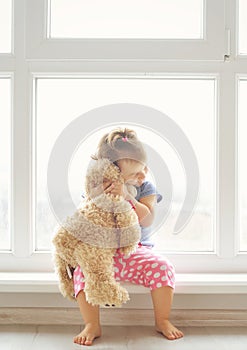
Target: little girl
{"x":144,"y":267}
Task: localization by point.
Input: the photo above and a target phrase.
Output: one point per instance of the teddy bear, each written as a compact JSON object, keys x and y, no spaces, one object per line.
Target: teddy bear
{"x":90,"y":237}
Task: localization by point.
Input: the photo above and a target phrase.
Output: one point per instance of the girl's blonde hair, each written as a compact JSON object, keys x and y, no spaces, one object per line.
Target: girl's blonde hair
{"x":120,"y":143}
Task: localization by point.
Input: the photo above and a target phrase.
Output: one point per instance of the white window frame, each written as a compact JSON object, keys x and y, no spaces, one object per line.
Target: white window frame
{"x":211,"y":47}
{"x":29,"y":62}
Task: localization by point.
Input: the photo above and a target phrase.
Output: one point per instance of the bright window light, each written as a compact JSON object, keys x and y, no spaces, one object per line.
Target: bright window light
{"x":242,"y":167}
{"x":158,"y":19}
{"x":5,"y":114}
{"x":188,"y":102}
{"x":242,"y":39}
{"x":5,"y":25}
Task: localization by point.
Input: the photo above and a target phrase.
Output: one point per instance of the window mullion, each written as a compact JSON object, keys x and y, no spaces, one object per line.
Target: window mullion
{"x":7,"y":63}
{"x":226,"y":241}
{"x":21,"y":140}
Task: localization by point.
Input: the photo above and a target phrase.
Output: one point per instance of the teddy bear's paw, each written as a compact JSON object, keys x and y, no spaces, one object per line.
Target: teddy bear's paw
{"x":107,"y":294}
{"x":119,"y":296}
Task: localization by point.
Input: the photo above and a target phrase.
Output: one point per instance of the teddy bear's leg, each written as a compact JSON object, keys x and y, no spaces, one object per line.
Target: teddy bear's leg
{"x":101,"y":287}
{"x":65,"y":282}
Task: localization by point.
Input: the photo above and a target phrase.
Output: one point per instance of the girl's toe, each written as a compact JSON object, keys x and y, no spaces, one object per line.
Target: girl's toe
{"x":89,"y":341}
{"x":82,"y":340}
{"x":171,"y":335}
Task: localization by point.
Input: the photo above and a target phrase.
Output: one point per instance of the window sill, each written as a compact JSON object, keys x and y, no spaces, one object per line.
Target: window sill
{"x":203,"y":283}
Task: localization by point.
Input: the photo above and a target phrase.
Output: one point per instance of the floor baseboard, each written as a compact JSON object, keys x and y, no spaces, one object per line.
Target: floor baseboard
{"x":122,"y":317}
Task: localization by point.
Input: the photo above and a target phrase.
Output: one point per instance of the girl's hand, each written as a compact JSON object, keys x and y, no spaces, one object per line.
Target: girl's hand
{"x":116,"y":188}
{"x":99,"y":189}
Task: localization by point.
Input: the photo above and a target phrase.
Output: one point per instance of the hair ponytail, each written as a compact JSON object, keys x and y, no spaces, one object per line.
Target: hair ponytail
{"x":120,"y":143}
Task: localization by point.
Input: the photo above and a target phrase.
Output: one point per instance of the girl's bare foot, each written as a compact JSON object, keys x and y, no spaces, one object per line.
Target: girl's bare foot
{"x":89,"y":333}
{"x":168,"y":330}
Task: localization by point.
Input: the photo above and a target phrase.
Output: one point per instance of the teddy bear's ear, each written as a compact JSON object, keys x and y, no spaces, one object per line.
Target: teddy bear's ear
{"x":111,"y":171}
{"x":99,"y":171}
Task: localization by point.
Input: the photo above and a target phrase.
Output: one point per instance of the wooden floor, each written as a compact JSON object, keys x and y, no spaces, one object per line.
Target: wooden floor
{"x":21,"y":337}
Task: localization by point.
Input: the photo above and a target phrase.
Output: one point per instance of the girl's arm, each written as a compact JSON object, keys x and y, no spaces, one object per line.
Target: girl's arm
{"x":144,"y":209}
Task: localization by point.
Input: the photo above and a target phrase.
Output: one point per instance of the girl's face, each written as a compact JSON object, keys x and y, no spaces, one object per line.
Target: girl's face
{"x":133,"y":172}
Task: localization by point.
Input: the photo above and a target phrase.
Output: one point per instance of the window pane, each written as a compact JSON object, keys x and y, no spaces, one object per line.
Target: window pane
{"x":4,"y":163}
{"x":242,"y":191}
{"x":5,"y":25}
{"x":126,"y":19}
{"x":242,"y":27}
{"x":189,"y":102}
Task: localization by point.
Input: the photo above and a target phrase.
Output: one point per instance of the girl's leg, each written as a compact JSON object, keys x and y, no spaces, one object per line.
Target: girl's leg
{"x":90,"y":314}
{"x":162,"y":301}
{"x":156,"y":273}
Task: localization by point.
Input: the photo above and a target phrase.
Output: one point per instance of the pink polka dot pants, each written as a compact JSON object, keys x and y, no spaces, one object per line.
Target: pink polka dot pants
{"x":143,"y":267}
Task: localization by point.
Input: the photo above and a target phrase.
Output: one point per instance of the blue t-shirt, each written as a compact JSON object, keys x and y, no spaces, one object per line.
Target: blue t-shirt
{"x":147,"y":189}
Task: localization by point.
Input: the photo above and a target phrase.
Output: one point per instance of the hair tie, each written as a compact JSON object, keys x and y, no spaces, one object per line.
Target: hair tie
{"x":125,"y":139}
